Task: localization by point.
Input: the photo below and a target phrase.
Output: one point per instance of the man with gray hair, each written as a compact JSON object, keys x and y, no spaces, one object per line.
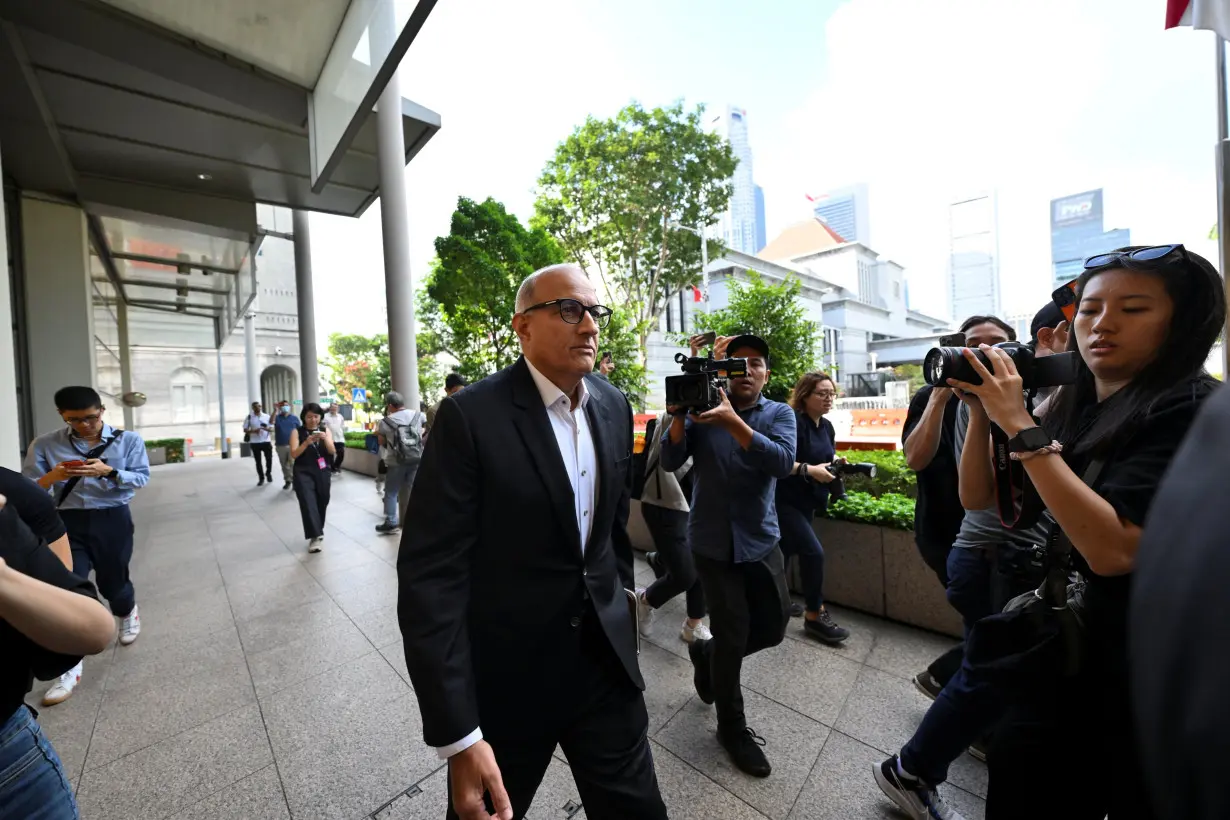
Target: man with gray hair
{"x":401,"y":438}
{"x":513,"y":599}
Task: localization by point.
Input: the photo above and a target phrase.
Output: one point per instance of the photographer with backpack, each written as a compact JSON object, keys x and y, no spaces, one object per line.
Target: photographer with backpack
{"x":401,"y":436}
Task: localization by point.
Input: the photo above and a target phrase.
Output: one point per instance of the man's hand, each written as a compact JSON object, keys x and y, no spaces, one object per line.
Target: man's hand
{"x":59,"y":473}
{"x":472,"y":773}
{"x":720,"y":345}
{"x":940,"y":395}
{"x":91,"y":469}
{"x":721,"y":416}
{"x":820,"y":473}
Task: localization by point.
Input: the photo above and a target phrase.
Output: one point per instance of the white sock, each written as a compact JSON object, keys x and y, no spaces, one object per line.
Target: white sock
{"x":903,"y":773}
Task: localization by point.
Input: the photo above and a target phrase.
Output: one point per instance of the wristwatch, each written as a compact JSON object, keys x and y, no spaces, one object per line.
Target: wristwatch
{"x":1028,"y":440}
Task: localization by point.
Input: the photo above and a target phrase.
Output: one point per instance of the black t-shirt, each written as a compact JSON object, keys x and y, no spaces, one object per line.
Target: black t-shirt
{"x":938,"y":512}
{"x":33,"y":504}
{"x":20,"y":658}
{"x":1129,"y":480}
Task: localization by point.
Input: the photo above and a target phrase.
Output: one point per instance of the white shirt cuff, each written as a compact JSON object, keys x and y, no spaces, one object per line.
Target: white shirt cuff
{"x":445,"y":752}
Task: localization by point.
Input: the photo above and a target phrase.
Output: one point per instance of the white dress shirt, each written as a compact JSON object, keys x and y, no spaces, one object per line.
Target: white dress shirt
{"x":576,"y":447}
{"x":255,"y":425}
{"x":336,"y":425}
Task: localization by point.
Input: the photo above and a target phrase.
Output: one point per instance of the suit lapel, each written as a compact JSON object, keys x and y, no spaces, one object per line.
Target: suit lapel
{"x":530,"y":419}
{"x":600,"y":425}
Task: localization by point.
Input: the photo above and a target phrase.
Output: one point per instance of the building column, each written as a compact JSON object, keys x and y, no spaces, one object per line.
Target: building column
{"x":394,"y":228}
{"x":59,"y":304}
{"x":10,"y":421}
{"x":249,"y":358}
{"x":121,"y":319}
{"x":307,"y":308}
{"x":222,"y":444}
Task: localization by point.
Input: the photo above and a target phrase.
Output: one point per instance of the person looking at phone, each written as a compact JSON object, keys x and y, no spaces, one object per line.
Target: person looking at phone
{"x":311,"y":451}
{"x":805,"y":492}
{"x":257,"y":427}
{"x":739,"y":450}
{"x":930,"y":451}
{"x":93,"y":471}
{"x":49,"y":619}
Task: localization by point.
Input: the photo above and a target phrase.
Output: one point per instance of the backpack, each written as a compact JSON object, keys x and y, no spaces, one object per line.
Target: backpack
{"x":640,"y":461}
{"x":405,"y":446}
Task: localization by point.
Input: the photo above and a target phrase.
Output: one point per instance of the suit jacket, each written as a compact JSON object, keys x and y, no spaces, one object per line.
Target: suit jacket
{"x":492,"y":570}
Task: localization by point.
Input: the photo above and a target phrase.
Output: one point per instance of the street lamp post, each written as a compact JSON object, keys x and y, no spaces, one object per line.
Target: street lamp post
{"x":704,"y":257}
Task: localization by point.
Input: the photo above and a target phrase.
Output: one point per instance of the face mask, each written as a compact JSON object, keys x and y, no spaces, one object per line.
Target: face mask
{"x":284,"y":410}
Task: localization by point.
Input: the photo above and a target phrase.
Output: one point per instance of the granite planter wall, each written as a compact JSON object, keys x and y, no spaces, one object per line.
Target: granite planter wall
{"x":361,"y":461}
{"x":157,"y":455}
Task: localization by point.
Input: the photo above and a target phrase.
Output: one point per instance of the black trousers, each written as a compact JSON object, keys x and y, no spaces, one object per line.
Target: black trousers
{"x":582,"y":700}
{"x":749,"y":607}
{"x":799,"y":538}
{"x":669,"y":529}
{"x":935,"y":556}
{"x":312,"y":488}
{"x":101,"y":540}
{"x":265,"y":448}
{"x":339,"y":457}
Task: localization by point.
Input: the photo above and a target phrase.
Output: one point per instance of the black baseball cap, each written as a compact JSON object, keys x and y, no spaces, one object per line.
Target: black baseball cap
{"x":455,"y":380}
{"x":1049,"y":316}
{"x":748,"y":340}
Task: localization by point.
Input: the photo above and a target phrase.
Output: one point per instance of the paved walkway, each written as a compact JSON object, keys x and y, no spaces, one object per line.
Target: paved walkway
{"x":270,"y":684}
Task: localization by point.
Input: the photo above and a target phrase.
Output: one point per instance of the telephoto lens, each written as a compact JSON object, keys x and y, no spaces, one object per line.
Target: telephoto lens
{"x":944,"y":363}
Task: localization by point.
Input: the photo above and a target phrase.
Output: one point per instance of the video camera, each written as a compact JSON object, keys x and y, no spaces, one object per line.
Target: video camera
{"x":696,"y":390}
{"x":944,"y":363}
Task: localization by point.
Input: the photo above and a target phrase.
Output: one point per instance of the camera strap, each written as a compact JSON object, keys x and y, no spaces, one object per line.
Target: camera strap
{"x":1059,"y":548}
{"x":97,"y":452}
{"x":1019,"y":504}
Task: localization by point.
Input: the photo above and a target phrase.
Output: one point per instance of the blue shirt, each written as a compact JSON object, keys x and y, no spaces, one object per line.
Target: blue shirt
{"x":733,"y":515}
{"x":282,"y":426}
{"x":126,"y":456}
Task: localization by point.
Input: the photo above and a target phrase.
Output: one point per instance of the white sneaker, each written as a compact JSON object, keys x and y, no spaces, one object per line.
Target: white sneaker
{"x":131,"y":627}
{"x":644,"y":614}
{"x":314,"y":545}
{"x":700,"y":632}
{"x":62,"y":689}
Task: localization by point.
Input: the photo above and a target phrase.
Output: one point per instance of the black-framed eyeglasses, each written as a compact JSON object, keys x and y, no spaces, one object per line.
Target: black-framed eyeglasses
{"x":1154,"y":255}
{"x":90,"y":419}
{"x":572,"y":311}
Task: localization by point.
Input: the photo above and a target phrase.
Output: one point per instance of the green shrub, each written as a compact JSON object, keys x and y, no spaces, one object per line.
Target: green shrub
{"x":175,"y":448}
{"x":357,"y":439}
{"x":888,"y":510}
{"x":892,"y":476}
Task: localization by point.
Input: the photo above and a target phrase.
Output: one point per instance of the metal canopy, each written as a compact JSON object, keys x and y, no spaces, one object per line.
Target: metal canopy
{"x":93,"y":99}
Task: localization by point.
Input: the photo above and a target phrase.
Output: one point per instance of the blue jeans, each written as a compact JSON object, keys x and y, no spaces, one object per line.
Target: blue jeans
{"x":32,"y":781}
{"x":397,"y":484}
{"x":982,"y":579}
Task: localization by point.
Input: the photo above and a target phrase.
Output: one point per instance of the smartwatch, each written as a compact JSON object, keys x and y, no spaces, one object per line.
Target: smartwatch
{"x":1028,"y":440}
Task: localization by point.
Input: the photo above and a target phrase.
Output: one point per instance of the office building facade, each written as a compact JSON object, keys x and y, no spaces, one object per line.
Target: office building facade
{"x":738,"y":227}
{"x":1077,"y":233}
{"x":847,"y":211}
{"x":973,"y":260}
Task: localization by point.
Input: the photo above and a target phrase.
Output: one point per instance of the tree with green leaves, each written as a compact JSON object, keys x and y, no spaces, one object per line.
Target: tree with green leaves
{"x":620,"y":340}
{"x":363,"y":361}
{"x":772,"y":312}
{"x":471,"y":292}
{"x":614,"y":188}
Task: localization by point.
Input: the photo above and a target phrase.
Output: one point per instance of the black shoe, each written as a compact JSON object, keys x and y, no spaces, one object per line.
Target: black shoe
{"x":286,"y":486}
{"x":260,"y":482}
{"x":269,"y":478}
{"x":651,"y":558}
{"x":917,"y":799}
{"x":926,"y":683}
{"x":702,"y":673}
{"x":384,"y":528}
{"x":744,"y":748}
{"x":796,"y":610}
{"x":824,"y":630}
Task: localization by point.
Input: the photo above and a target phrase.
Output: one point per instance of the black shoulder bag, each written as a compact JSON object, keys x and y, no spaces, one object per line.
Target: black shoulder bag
{"x":1040,"y":635}
{"x":97,"y":452}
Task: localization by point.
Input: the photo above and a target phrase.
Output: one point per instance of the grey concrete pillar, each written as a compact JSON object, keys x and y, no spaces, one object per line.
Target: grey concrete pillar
{"x":394,"y":228}
{"x":226,"y":451}
{"x":249,"y":359}
{"x":10,"y":421}
{"x":121,"y":319}
{"x":307,"y":308}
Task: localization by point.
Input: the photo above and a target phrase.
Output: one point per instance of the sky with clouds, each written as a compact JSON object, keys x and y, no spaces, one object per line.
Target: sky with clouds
{"x":925,"y":102}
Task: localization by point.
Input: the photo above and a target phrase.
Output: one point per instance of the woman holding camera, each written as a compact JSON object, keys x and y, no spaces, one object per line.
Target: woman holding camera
{"x":49,"y":618}
{"x":804,"y":492}
{"x":1146,"y":318}
{"x":312,"y":453}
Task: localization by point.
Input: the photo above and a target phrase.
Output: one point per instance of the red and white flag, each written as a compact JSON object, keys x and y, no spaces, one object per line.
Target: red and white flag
{"x":696,"y":294}
{"x":1210,"y":15}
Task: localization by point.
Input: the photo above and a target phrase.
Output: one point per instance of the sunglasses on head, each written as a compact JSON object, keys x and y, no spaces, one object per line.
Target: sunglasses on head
{"x":1065,"y":295}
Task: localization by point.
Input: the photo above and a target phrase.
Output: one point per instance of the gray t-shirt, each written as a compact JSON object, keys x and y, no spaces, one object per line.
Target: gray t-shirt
{"x":983,"y":527}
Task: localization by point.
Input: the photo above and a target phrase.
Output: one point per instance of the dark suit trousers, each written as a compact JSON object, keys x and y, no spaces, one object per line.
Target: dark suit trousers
{"x":748,"y":611}
{"x":582,"y":699}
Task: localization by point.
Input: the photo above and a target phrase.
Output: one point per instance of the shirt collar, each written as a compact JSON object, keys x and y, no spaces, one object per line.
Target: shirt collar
{"x":107,"y":432}
{"x":551,"y":394}
{"x":760,"y":400}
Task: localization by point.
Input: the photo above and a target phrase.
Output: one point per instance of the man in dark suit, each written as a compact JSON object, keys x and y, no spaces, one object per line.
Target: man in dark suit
{"x":512,"y":606}
{"x":1180,"y":627}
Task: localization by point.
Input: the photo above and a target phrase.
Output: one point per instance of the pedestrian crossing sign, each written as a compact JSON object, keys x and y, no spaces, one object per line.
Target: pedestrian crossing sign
{"x":358,"y":395}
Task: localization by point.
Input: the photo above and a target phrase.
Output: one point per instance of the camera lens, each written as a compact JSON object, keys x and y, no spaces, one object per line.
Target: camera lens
{"x":944,"y":363}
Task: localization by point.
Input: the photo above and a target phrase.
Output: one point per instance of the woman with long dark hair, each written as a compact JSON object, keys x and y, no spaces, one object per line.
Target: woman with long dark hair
{"x":805,"y":491}
{"x":1146,"y":319}
{"x":312,"y":451}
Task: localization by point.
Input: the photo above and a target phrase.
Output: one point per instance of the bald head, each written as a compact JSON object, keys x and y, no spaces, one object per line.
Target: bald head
{"x":543,"y":279}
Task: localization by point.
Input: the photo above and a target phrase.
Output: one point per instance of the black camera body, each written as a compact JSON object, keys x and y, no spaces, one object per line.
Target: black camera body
{"x":696,"y":390}
{"x":944,"y":363}
{"x":841,"y":469}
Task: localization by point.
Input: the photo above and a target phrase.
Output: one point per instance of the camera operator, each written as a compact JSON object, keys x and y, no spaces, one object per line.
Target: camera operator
{"x":928,"y":439}
{"x":739,"y":449}
{"x":1145,"y":322}
{"x":805,"y":492}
